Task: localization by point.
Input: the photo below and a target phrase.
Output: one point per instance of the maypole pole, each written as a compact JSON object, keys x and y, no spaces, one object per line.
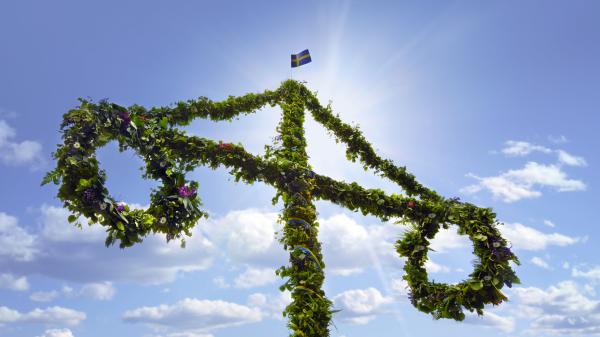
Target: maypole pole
{"x":309,"y":314}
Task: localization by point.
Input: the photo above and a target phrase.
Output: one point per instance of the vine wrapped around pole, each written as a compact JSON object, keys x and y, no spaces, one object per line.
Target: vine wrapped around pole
{"x":175,"y":206}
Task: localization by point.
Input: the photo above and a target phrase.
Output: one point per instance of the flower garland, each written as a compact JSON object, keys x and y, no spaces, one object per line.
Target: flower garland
{"x":175,"y":206}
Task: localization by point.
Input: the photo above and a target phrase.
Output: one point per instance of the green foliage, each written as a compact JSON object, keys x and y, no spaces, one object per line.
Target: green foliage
{"x":175,"y":206}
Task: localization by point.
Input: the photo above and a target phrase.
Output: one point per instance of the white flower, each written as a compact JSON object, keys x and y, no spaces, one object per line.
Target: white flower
{"x":163,"y":164}
{"x":496,"y":244}
{"x":103,"y":206}
{"x":432,"y":215}
{"x":487,"y":277}
{"x":76,"y":145}
{"x":163,"y":220}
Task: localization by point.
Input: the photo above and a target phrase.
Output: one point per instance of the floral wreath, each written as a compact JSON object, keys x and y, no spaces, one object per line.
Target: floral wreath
{"x":174,"y":207}
{"x":491,"y":271}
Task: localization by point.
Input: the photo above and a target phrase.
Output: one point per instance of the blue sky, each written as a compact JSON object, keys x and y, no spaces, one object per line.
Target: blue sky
{"x":493,"y":102}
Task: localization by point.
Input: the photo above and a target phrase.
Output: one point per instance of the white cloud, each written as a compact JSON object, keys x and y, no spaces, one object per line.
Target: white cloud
{"x":399,"y":286}
{"x":255,"y":277}
{"x":220,"y":282}
{"x":101,"y":291}
{"x":538,"y":261}
{"x":359,"y":306}
{"x":433,"y":267}
{"x":520,"y":148}
{"x":44,"y":296}
{"x":50,"y":316}
{"x":270,"y":305}
{"x":527,"y":238}
{"x":98,"y":291}
{"x":79,"y":255}
{"x":568,"y":159}
{"x":9,"y":281}
{"x":247,"y":236}
{"x":18,"y":153}
{"x":447,"y":239}
{"x":549,"y":223}
{"x":492,"y":320}
{"x":349,"y":247}
{"x":561,"y":309}
{"x":515,"y":185}
{"x":57,"y":333}
{"x":592,"y":273}
{"x":15,"y":242}
{"x":197,"y":314}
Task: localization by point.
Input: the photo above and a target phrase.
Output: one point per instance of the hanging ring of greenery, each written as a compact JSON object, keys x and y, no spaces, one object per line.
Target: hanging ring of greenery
{"x":174,"y":207}
{"x":491,"y":268}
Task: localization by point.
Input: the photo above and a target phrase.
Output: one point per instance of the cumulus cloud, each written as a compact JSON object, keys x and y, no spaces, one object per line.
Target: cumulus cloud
{"x":492,"y":320}
{"x":18,"y":153}
{"x":349,"y":247}
{"x":247,"y":236}
{"x":15,"y":242}
{"x":102,"y":291}
{"x":270,"y":305}
{"x":57,"y":333}
{"x":527,"y":238}
{"x":515,"y":185}
{"x":433,"y":267}
{"x":79,"y":255}
{"x":360,"y":306}
{"x":561,"y":309}
{"x":195,"y":314}
{"x":538,"y":261}
{"x":50,"y":316}
{"x":520,"y":148}
{"x":592,"y":273}
{"x":255,"y":277}
{"x":44,"y":296}
{"x":569,"y":159}
{"x":447,"y":239}
{"x":9,"y":281}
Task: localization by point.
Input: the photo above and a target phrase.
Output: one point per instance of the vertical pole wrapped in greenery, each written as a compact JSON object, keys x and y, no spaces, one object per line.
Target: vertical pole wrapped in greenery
{"x":174,"y":208}
{"x":309,"y":313}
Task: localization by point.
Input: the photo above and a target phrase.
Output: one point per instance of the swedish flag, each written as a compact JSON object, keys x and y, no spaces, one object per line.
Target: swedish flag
{"x":300,"y":59}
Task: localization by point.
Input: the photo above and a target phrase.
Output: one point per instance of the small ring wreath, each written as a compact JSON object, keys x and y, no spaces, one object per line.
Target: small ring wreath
{"x":174,"y":207}
{"x":491,"y":269}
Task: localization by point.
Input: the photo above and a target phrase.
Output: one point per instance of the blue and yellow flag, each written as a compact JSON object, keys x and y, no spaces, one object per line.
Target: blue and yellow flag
{"x":300,"y":59}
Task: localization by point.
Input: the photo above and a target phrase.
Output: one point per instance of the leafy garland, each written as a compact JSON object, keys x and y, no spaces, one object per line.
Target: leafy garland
{"x":175,"y":207}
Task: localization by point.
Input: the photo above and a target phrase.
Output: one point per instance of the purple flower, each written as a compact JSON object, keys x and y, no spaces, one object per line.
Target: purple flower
{"x":411,"y":297}
{"x":120,"y":207}
{"x":88,"y":195}
{"x":124,"y":116}
{"x":186,"y":192}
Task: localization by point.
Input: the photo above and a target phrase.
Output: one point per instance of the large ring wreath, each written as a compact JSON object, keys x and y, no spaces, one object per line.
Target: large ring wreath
{"x":174,"y":207}
{"x":491,"y":271}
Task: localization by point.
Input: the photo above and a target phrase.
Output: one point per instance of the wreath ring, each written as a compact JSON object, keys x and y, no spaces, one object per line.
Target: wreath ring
{"x":491,"y":268}
{"x":174,"y":207}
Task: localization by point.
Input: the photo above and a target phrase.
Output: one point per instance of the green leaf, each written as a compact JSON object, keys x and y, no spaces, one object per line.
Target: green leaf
{"x":72,"y":218}
{"x":120,"y":226}
{"x":164,"y":122}
{"x":480,"y":237}
{"x":476,"y":285}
